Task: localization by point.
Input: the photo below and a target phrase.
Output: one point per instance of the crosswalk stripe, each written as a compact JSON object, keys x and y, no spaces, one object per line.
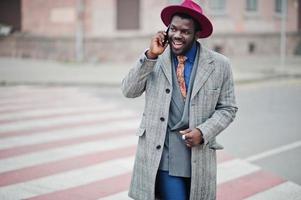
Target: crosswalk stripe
{"x":21,"y":150}
{"x":63,"y":120}
{"x":55,"y":167}
{"x":248,"y":185}
{"x":222,"y":156}
{"x":91,"y":191}
{"x":57,"y":103}
{"x":117,"y":196}
{"x":51,"y":113}
{"x":52,"y":155}
{"x":23,"y":90}
{"x":67,"y":180}
{"x":46,"y":98}
{"x":42,"y":130}
{"x":286,"y":190}
{"x":277,"y":150}
{"x":232,"y":169}
{"x":42,"y":101}
{"x":69,"y":133}
{"x":51,"y":168}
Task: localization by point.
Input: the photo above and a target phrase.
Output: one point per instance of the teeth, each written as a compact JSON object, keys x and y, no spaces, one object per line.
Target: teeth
{"x":177,"y":44}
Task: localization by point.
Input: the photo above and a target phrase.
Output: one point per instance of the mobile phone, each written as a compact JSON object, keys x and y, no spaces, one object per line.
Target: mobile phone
{"x":166,"y":36}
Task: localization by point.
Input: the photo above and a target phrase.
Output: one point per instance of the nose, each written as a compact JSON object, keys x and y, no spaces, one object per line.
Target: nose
{"x":177,"y":35}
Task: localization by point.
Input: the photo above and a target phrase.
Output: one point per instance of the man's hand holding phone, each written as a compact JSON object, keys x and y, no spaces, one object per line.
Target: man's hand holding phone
{"x":158,"y":45}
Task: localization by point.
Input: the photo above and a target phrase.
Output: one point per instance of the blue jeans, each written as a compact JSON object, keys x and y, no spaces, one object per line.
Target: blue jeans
{"x":172,"y":187}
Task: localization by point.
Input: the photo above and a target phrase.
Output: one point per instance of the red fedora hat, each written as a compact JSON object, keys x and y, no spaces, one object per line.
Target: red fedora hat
{"x":192,"y":9}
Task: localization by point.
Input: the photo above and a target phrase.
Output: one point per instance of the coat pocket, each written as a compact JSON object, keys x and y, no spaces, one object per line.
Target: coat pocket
{"x":140,"y":132}
{"x":141,"y":129}
{"x":215,"y":146}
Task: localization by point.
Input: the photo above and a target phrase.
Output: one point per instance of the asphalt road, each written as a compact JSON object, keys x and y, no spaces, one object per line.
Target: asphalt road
{"x":266,"y":131}
{"x":267,"y":127}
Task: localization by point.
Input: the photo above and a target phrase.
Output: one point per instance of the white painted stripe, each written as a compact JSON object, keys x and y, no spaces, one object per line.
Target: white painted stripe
{"x":40,"y":123}
{"x":60,"y":101}
{"x":274,"y":151}
{"x":23,"y":88}
{"x":118,"y":196}
{"x":56,"y":111}
{"x":61,"y":153}
{"x":233,"y":169}
{"x":70,"y":101}
{"x":287,"y":191}
{"x":27,"y":98}
{"x":69,"y":133}
{"x":67,"y":179}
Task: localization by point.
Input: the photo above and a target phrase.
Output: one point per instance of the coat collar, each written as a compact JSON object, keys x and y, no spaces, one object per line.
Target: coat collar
{"x":205,"y":68}
{"x":166,"y":64}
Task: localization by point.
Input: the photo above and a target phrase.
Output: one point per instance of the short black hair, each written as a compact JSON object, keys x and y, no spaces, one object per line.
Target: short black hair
{"x":197,"y":26}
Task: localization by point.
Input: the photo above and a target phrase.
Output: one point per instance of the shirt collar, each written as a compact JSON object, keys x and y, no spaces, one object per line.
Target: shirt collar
{"x":190,"y":54}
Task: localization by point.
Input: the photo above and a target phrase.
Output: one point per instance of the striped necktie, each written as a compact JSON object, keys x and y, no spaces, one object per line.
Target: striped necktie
{"x":180,"y":74}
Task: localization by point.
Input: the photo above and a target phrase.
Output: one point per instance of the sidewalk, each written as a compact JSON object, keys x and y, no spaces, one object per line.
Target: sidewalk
{"x":27,"y":71}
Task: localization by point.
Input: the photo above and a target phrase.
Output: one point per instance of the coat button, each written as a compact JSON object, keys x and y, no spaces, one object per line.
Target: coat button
{"x":162,"y":119}
{"x":167,"y":91}
{"x":158,"y":147}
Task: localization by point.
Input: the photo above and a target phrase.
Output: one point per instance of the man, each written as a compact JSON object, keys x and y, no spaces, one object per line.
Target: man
{"x":189,"y":100}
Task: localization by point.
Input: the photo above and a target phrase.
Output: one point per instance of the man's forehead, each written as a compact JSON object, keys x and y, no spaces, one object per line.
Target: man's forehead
{"x":177,"y":21}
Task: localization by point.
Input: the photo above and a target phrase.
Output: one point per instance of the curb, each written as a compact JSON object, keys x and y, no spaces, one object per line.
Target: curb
{"x":4,"y":83}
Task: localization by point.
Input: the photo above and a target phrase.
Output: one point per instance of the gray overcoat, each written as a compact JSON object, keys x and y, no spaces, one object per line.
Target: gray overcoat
{"x":212,"y":109}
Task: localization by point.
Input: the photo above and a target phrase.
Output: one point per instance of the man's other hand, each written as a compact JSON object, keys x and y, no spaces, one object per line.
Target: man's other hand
{"x":192,"y":137}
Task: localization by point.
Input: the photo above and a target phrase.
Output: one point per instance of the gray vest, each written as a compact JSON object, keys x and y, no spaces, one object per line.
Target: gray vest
{"x":176,"y":156}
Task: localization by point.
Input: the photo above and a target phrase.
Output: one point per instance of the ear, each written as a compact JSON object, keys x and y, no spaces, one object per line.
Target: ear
{"x":197,"y":35}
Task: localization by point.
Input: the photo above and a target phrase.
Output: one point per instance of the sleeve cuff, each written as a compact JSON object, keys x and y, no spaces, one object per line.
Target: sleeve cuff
{"x":148,"y":59}
{"x":205,"y":135}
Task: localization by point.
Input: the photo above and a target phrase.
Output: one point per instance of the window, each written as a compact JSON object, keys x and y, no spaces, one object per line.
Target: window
{"x":217,"y":5}
{"x":251,"y":5}
{"x":278,"y":6}
{"x":251,"y":47}
{"x":128,"y":14}
{"x":175,"y":1}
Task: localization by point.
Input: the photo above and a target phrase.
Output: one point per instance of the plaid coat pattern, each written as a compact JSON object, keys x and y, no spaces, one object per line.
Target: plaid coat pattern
{"x":212,"y":109}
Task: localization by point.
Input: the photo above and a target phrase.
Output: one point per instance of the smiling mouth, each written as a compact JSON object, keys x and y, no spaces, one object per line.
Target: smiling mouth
{"x":177,"y":44}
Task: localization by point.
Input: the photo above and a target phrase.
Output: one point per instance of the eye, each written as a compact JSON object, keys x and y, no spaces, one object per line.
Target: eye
{"x":172,"y":29}
{"x":186,"y":32}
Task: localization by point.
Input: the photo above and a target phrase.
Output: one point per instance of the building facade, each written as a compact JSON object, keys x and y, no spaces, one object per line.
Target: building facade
{"x":108,"y":30}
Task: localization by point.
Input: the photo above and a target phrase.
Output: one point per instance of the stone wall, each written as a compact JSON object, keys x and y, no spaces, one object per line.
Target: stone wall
{"x":128,"y":48}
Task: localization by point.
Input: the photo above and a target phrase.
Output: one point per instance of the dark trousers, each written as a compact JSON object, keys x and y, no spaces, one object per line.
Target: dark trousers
{"x":172,"y":187}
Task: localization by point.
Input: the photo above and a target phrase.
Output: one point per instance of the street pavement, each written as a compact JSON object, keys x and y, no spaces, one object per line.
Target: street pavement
{"x":60,"y":142}
{"x":14,"y":71}
{"x":67,"y":143}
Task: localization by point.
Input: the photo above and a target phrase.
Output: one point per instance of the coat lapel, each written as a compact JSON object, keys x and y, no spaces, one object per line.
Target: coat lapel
{"x":205,"y":68}
{"x":166,"y":65}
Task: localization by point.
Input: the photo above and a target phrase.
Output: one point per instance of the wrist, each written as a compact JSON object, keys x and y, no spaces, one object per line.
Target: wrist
{"x":150,"y":55}
{"x":201,"y":135}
